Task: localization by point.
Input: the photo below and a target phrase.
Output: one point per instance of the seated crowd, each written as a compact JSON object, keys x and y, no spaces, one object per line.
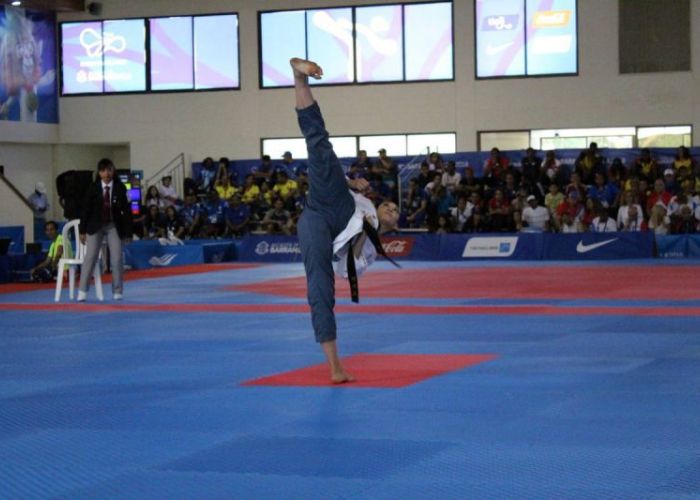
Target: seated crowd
{"x":548,"y":195}
{"x":544,"y":194}
{"x":268,"y":200}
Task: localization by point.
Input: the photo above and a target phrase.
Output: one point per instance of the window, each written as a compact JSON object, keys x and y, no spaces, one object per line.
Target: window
{"x":387,"y":43}
{"x":525,"y":38}
{"x":664,"y":137}
{"x":506,"y":140}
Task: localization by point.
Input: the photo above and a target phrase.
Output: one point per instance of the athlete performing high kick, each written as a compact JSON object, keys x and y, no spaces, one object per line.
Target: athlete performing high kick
{"x":335,"y":220}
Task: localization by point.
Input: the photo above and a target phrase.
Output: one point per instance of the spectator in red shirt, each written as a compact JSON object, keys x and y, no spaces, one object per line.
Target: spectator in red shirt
{"x":495,"y":167}
{"x":571,"y":206}
{"x":659,"y":195}
{"x":499,"y":212}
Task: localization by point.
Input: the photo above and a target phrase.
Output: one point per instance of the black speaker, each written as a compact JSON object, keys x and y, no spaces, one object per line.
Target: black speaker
{"x":94,"y":8}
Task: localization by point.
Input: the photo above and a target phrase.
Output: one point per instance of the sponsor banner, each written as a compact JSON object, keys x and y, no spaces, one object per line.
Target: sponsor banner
{"x":672,"y":247}
{"x":489,"y":246}
{"x":264,"y":248}
{"x":598,"y":246}
{"x":146,"y":254}
{"x":693,"y":242}
{"x":398,"y":246}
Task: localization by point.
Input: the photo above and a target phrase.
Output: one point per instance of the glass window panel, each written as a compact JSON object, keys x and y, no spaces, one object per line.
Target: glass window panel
{"x":500,"y":38}
{"x":379,"y":41}
{"x":612,"y":141}
{"x":171,"y":53}
{"x":282,"y":37}
{"x":277,"y":147}
{"x":124,"y":52}
{"x":506,"y":140}
{"x":419,"y":144}
{"x":395,"y":145}
{"x":344,"y":147}
{"x":329,"y":35}
{"x":428,"y":40}
{"x":81,"y":57}
{"x":664,"y":137}
{"x":216,"y":51}
{"x":548,"y":143}
{"x":552,"y":39}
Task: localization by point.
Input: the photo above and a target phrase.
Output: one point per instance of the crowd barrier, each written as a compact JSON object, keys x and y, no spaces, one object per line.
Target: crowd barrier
{"x":144,"y":254}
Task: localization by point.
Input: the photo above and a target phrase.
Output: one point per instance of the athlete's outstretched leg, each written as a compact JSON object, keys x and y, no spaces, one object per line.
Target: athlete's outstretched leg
{"x":329,"y":206}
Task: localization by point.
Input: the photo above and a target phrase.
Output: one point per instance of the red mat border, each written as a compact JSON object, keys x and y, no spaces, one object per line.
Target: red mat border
{"x":373,"y":370}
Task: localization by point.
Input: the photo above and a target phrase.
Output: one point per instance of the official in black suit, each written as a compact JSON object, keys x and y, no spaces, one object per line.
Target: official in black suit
{"x":106,"y":213}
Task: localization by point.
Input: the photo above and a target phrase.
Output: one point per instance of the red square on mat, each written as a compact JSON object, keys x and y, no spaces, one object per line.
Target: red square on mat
{"x":377,"y":370}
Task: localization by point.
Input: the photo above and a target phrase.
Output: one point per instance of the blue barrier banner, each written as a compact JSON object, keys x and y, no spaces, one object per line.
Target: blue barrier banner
{"x":672,"y":247}
{"x":16,"y":235}
{"x":693,"y":242}
{"x":146,"y":254}
{"x":598,"y":246}
{"x":512,"y":246}
{"x":269,"y":248}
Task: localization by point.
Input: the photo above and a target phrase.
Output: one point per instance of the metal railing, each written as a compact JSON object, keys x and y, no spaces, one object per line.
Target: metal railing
{"x":174,"y":168}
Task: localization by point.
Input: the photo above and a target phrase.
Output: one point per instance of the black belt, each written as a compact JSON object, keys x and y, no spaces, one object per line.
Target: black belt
{"x":373,"y":236}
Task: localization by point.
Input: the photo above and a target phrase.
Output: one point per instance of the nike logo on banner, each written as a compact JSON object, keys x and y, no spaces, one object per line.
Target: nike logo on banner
{"x":582,"y":248}
{"x":493,"y":50}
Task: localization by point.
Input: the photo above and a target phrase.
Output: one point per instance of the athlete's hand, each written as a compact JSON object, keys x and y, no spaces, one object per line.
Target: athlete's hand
{"x":360,"y":185}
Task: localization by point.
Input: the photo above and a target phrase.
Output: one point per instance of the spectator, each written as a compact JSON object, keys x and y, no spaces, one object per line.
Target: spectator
{"x":237,"y":217}
{"x":389,"y":171}
{"x":683,"y":159}
{"x":444,"y":225}
{"x":425,"y":176}
{"x":174,"y":229}
{"x":264,"y":172}
{"x":531,"y":167}
{"x":285,"y":188}
{"x":434,"y":183}
{"x":617,"y":173}
{"x":251,"y":191}
{"x":435,"y":163}
{"x":634,"y":221}
{"x":469,"y":183}
{"x":154,"y":225}
{"x":499,"y":212}
{"x":659,"y":222}
{"x":494,"y":168}
{"x":415,"y":203}
{"x":293,"y":168}
{"x":603,"y":192}
{"x":451,"y":178}
{"x":603,"y":223}
{"x":510,"y":188}
{"x":571,"y":206}
{"x":207,"y":175}
{"x":589,"y":163}
{"x":659,"y":195}
{"x":576,"y":185}
{"x":569,"y":224}
{"x":629,"y":201}
{"x":590,"y":212}
{"x":225,"y":170}
{"x":360,"y":168}
{"x":670,"y":181}
{"x":167,"y":192}
{"x":462,"y":214}
{"x":214,"y":209}
{"x":645,"y":166}
{"x":277,"y":219}
{"x":225,"y":189}
{"x":553,"y":199}
{"x":553,"y":171}
{"x":684,"y":222}
{"x":153,"y":198}
{"x":39,"y":201}
{"x":47,"y":270}
{"x":439,"y":203}
{"x":475,"y":224}
{"x":534,"y":217}
{"x":192,"y":216}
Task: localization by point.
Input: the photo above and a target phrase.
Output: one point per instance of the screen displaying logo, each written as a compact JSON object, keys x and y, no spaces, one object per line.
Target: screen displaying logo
{"x":500,"y":23}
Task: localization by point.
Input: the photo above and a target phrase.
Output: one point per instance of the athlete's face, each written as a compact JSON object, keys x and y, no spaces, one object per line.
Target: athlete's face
{"x":388,"y":215}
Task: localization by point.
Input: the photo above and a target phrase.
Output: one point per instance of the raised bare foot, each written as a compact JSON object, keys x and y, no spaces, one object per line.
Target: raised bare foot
{"x":341,"y":377}
{"x":302,"y":67}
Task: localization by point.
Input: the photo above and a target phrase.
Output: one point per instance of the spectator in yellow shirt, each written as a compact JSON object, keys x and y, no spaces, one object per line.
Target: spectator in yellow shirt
{"x":225,"y":189}
{"x":284,"y":187}
{"x":251,"y":191}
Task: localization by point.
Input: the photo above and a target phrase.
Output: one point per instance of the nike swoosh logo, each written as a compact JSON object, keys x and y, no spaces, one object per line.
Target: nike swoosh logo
{"x":493,"y":50}
{"x":582,"y":248}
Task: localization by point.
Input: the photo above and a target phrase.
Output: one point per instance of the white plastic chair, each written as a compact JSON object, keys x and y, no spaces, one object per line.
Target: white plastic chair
{"x":71,"y":236}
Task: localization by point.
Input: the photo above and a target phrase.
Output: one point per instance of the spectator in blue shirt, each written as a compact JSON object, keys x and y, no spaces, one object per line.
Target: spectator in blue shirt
{"x":214,"y":210}
{"x":237,"y":217}
{"x":191,"y":216}
{"x":602,"y":191}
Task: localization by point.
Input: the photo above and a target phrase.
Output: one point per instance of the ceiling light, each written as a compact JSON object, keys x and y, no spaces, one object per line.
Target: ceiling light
{"x":16,"y":3}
